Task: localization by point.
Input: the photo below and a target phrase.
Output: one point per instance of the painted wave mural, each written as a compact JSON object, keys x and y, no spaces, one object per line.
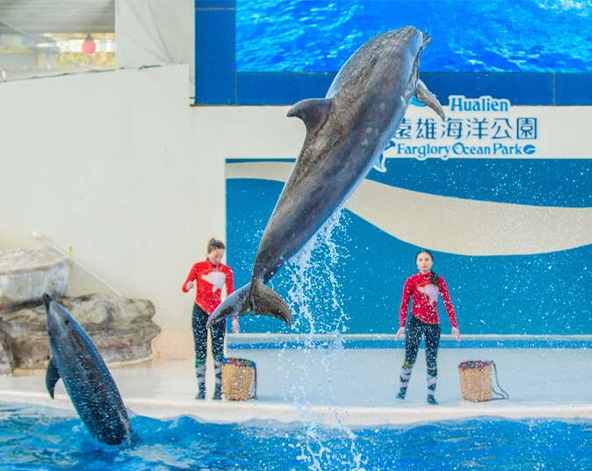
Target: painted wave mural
{"x":513,"y":238}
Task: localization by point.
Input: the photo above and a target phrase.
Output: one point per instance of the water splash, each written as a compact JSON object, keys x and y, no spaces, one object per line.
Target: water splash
{"x":308,"y":277}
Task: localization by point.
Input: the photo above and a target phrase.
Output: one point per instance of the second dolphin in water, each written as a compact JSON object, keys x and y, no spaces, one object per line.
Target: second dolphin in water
{"x":88,"y":382}
{"x":345,"y":134}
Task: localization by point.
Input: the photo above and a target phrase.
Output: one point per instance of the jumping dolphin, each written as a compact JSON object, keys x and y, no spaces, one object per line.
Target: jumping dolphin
{"x":88,"y":382}
{"x":345,"y":134}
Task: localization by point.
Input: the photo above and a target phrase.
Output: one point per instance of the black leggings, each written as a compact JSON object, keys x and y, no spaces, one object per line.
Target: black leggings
{"x":200,"y":336}
{"x":416,"y":330}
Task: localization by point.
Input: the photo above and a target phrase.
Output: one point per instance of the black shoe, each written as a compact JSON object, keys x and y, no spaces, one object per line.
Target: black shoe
{"x":432,"y":400}
{"x":217,"y":393}
{"x":401,"y":395}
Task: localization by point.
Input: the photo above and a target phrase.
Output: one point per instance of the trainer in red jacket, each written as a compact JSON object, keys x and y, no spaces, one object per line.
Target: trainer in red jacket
{"x":208,"y":278}
{"x":424,"y":287}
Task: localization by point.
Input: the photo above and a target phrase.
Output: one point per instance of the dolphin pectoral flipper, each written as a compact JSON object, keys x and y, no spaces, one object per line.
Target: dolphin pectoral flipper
{"x":428,"y":98}
{"x":52,"y":375}
{"x":313,"y":112}
{"x":266,"y":301}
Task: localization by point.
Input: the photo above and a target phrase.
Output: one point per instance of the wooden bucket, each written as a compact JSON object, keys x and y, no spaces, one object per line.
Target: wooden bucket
{"x":239,"y":379}
{"x":475,"y":380}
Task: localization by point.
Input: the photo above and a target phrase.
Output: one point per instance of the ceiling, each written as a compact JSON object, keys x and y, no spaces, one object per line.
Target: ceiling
{"x":57,"y":16}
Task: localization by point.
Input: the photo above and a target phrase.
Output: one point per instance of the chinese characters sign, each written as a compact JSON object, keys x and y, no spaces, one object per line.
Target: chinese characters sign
{"x":483,"y":127}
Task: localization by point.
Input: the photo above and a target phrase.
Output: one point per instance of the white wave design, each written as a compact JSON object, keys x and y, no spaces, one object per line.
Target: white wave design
{"x":453,"y":225}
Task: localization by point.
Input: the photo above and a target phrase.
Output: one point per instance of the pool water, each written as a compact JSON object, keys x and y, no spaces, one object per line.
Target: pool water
{"x":40,"y":438}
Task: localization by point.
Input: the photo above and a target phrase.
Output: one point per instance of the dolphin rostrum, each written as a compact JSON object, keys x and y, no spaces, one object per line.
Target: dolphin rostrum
{"x":88,"y":382}
{"x":346,"y":132}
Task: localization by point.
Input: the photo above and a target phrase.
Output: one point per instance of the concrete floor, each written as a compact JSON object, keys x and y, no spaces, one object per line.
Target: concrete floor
{"x":354,"y":386}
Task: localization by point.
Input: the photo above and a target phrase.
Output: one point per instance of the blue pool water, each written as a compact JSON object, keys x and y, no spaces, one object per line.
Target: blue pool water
{"x":38,"y":438}
{"x":468,"y":35}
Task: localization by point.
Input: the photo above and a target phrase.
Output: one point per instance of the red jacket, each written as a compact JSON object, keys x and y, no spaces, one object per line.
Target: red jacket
{"x":209,"y":280}
{"x":425,"y":299}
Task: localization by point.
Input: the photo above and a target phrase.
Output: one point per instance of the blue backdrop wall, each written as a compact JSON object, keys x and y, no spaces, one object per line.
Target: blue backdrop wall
{"x":352,"y":278}
{"x":532,"y":52}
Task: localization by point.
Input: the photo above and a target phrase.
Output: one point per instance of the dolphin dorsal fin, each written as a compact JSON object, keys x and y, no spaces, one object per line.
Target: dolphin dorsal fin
{"x":428,"y":98}
{"x":313,"y":112}
{"x":52,"y":375}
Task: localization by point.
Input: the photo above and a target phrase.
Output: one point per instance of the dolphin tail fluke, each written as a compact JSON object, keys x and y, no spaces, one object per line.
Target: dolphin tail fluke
{"x":428,"y":98}
{"x":234,"y":305}
{"x":52,"y":375}
{"x":266,"y":301}
{"x":254,"y":297}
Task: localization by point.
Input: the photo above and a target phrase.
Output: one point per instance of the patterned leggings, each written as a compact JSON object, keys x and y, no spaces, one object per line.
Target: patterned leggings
{"x":200,"y":339}
{"x":431,"y":332}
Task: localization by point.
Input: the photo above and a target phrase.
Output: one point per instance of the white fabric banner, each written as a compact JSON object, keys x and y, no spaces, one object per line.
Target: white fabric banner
{"x":154,"y":32}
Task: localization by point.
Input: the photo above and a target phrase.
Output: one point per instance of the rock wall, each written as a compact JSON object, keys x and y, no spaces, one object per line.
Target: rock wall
{"x":122,"y":329}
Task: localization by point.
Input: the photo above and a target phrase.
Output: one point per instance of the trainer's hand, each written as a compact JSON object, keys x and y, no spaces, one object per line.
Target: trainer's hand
{"x":189,"y":286}
{"x":235,"y":325}
{"x":400,"y":332}
{"x":456,"y":333}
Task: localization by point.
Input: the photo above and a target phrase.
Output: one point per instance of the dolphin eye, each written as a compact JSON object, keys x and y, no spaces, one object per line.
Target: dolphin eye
{"x":67,"y":321}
